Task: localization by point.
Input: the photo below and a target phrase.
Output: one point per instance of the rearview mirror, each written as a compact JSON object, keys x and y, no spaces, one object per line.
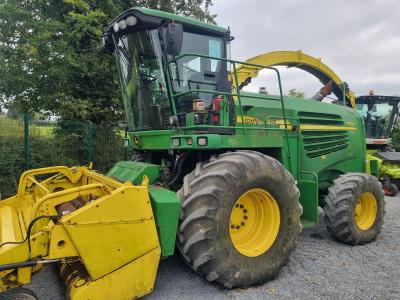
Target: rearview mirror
{"x":174,"y":38}
{"x":108,"y":43}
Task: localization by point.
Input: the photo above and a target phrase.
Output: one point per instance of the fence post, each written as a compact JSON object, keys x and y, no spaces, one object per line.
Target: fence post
{"x":26,"y":141}
{"x":126,"y":144}
{"x":90,"y":141}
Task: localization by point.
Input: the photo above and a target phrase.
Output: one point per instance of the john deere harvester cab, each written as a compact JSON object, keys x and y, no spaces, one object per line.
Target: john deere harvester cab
{"x":230,"y":177}
{"x":153,"y":62}
{"x":380,"y":115}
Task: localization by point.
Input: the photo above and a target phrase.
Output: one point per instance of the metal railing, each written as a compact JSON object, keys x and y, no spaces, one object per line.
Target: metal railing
{"x":234,"y":64}
{"x":237,"y":94}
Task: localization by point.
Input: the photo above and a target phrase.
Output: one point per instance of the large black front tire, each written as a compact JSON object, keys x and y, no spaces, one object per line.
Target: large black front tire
{"x":208,"y":196}
{"x":341,"y":208}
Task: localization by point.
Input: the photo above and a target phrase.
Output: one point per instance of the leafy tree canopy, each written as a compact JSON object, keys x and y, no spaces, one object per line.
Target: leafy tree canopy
{"x":296,"y":94}
{"x":51,"y":56}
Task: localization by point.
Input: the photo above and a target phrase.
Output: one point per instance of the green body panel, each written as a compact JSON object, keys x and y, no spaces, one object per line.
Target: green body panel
{"x":151,"y":140}
{"x":308,"y":185}
{"x":134,"y":171}
{"x":374,"y":168}
{"x":166,"y":207}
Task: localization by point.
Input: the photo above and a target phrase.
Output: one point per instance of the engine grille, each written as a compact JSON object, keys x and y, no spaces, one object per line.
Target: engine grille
{"x":323,"y":134}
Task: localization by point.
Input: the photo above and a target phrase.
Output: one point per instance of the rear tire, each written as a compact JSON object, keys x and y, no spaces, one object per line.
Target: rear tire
{"x":138,"y":157}
{"x":216,"y":199}
{"x":354,"y":208}
{"x":391,"y":190}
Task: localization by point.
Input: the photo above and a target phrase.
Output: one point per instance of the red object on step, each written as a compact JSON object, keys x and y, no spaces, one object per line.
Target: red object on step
{"x":216,"y":108}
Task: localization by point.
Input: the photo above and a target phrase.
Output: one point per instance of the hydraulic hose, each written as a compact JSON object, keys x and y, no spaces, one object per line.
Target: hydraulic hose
{"x":29,"y":231}
{"x":28,"y":263}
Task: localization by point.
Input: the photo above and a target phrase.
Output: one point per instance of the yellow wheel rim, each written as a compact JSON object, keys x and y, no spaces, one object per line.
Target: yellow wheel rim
{"x":254,"y":222}
{"x":365,"y":212}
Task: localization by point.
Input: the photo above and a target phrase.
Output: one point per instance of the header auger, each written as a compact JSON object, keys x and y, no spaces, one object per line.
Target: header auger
{"x":230,"y":177}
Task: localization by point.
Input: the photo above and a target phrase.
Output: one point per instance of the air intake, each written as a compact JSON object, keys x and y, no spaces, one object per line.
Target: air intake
{"x":322,"y":133}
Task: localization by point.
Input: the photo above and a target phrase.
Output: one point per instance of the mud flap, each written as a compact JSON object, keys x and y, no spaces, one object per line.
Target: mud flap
{"x":308,"y":187}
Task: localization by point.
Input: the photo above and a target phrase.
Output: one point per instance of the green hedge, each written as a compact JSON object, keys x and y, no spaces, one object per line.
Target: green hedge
{"x":396,"y":137}
{"x":65,"y":143}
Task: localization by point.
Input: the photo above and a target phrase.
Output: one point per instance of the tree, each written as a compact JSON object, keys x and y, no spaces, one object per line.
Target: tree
{"x":52,"y":59}
{"x":396,"y":137}
{"x":296,"y":94}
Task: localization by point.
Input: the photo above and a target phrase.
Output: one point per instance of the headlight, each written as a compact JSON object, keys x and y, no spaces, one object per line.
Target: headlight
{"x":131,"y":20}
{"x":176,"y":142}
{"x":122,"y":24}
{"x":116,"y":27}
{"x":202,"y":141}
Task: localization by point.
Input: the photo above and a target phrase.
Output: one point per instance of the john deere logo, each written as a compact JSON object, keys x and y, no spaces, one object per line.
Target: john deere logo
{"x":249,"y":120}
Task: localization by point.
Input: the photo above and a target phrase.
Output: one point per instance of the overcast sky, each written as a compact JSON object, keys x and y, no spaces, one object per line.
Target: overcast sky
{"x":358,"y":39}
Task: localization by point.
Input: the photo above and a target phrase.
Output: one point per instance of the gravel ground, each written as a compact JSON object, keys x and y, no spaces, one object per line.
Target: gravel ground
{"x":319,"y":268}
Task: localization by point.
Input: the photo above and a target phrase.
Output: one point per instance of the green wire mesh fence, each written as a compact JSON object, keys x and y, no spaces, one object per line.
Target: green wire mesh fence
{"x":27,"y":144}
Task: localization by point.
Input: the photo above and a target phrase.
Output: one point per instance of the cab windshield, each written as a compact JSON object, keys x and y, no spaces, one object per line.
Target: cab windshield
{"x":378,"y":118}
{"x":144,"y":89}
{"x":142,"y":78}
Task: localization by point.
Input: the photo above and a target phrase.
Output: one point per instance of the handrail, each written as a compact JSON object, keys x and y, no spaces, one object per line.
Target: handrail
{"x":265,"y":123}
{"x":221,"y":59}
{"x":238,"y":93}
{"x":223,"y":93}
{"x":23,"y":181}
{"x":234,"y":127}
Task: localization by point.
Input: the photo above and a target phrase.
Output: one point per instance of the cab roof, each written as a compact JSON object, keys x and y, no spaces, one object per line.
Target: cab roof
{"x":162,"y":15}
{"x":377,"y":99}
